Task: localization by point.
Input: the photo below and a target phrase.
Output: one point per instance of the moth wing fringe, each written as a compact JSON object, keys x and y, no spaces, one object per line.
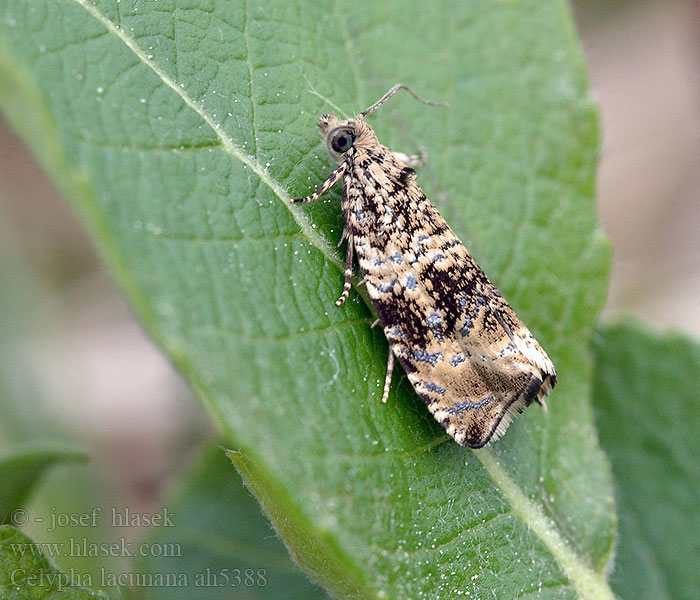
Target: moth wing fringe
{"x":520,"y":404}
{"x":458,"y":429}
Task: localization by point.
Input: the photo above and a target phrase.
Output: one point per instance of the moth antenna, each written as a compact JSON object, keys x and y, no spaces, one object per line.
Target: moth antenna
{"x":336,"y":108}
{"x":392,"y":91}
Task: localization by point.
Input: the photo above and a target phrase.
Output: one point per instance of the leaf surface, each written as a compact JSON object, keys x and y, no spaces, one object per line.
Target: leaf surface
{"x":180,"y":130}
{"x":646,"y":396}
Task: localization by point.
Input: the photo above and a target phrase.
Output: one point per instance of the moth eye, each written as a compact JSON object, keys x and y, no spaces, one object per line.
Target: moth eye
{"x":341,"y":140}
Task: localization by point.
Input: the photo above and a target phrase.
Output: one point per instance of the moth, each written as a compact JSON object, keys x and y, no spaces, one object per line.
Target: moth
{"x":468,"y":355}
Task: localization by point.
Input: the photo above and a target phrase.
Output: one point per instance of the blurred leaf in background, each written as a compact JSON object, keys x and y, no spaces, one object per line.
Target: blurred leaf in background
{"x":21,"y":468}
{"x":646,"y":396}
{"x":222,"y":542}
{"x":25,"y":572}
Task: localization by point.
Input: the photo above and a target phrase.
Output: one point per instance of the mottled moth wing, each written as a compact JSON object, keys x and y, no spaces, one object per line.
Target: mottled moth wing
{"x":467,"y":354}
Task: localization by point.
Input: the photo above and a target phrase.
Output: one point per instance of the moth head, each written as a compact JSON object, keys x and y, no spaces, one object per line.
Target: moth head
{"x":339,"y":136}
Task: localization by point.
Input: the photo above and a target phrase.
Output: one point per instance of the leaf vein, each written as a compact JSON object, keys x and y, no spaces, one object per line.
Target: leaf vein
{"x":226,"y":140}
{"x":225,"y":240}
{"x":465,"y":533}
{"x":288,"y":337}
{"x":251,"y":76}
{"x":589,"y":584}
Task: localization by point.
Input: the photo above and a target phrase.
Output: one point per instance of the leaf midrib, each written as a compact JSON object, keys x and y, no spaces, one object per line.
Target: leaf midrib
{"x":589,"y":584}
{"x":229,"y":146}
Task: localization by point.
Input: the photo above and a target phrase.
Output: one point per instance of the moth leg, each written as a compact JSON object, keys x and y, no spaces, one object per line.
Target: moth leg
{"x":413,"y":161}
{"x":348,"y":273}
{"x":387,"y":381}
{"x":333,"y":178}
{"x":342,"y":238}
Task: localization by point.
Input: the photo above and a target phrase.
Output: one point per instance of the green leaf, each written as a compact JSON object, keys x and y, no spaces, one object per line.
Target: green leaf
{"x":646,"y":394}
{"x":223,"y":547}
{"x":181,"y":130}
{"x":21,"y":467}
{"x":27,"y":574}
